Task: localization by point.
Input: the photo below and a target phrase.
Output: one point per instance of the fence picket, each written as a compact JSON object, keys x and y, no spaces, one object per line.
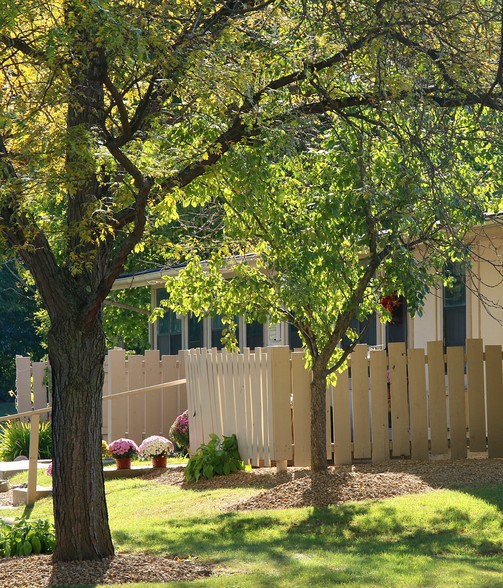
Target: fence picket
{"x":137,"y":427}
{"x":361,"y":414}
{"x":437,"y":398}
{"x":117,"y":382}
{"x":494,"y":395}
{"x":279,"y":377}
{"x":399,"y":399}
{"x":456,"y":386}
{"x":23,"y":383}
{"x":40,"y":373}
{"x":379,"y":406}
{"x":342,"y":419}
{"x":476,"y":403}
{"x":301,"y":387}
{"x":153,"y":400}
{"x":418,"y":407}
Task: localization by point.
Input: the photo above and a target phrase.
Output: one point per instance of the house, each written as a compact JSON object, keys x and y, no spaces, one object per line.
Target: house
{"x":471,"y":307}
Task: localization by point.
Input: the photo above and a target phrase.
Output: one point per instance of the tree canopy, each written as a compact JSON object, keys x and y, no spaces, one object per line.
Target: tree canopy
{"x":115,"y":114}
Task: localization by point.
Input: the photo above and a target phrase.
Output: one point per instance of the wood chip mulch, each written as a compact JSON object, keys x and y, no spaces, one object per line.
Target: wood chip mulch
{"x":39,"y":571}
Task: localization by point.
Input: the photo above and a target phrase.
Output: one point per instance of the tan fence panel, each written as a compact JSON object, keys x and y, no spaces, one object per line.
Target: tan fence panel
{"x":117,"y":382}
{"x":170,"y":397}
{"x":182,"y":388}
{"x":399,"y":403}
{"x":494,"y":394}
{"x":457,"y":414}
{"x":153,"y":417}
{"x":418,"y":405}
{"x":267,"y":406}
{"x":437,"y":398}
{"x":104,"y":405}
{"x":136,"y":380}
{"x":301,"y":386}
{"x":256,"y":408}
{"x":342,"y":419}
{"x":240,"y":391}
{"x":476,"y":403}
{"x":194,"y":385}
{"x":23,"y":383}
{"x":281,"y":389}
{"x":361,"y":413}
{"x":379,"y":406}
{"x":40,"y":375}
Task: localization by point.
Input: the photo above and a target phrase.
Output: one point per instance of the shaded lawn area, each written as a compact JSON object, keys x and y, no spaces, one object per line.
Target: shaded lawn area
{"x":440,"y":539}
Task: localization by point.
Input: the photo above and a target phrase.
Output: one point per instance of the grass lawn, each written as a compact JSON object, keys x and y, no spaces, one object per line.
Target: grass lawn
{"x":441,"y":539}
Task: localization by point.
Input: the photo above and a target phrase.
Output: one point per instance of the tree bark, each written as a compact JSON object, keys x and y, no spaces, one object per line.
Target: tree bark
{"x":76,"y":355}
{"x":318,"y":421}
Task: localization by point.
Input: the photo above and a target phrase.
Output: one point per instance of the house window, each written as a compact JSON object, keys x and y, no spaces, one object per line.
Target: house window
{"x":217,"y":328}
{"x":195,"y":332}
{"x":294,"y":340}
{"x":366,"y":330}
{"x":455,"y":307}
{"x":254,"y":334}
{"x":169,"y":329}
{"x":396,"y":330}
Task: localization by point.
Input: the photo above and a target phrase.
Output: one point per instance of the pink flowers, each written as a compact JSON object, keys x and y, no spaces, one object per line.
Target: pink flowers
{"x":123,"y":448}
{"x":179,"y":431}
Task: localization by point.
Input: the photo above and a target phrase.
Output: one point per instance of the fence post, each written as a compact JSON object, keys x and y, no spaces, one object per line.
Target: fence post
{"x":281,"y":389}
{"x":32,"y":465}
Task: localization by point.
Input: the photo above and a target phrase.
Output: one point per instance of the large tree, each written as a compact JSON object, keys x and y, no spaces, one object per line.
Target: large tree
{"x":111,"y":110}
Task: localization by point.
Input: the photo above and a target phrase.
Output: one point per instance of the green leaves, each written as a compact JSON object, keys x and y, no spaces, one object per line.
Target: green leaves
{"x":216,"y":458}
{"x":25,"y":537}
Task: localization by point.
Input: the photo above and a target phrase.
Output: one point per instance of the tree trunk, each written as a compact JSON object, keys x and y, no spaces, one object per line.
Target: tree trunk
{"x":318,"y":422}
{"x":76,"y":355}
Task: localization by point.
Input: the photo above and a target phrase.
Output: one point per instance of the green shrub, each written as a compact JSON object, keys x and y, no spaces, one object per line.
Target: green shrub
{"x":15,"y":440}
{"x":217,"y":457}
{"x":26,"y":537}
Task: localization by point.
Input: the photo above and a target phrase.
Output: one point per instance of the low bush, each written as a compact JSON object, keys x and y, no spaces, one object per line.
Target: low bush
{"x":26,"y":537}
{"x":217,"y":457}
{"x":15,"y":440}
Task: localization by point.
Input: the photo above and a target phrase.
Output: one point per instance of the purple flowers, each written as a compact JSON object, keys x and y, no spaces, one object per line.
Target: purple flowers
{"x":123,"y":448}
{"x":179,"y":431}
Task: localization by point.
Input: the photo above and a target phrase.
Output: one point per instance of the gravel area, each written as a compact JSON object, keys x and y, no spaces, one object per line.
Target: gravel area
{"x":294,"y":488}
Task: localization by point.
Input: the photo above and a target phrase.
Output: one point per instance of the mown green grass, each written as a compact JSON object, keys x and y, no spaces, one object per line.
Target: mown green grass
{"x":441,"y":539}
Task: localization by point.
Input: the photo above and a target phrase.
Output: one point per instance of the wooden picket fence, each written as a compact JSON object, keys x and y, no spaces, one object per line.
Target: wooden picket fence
{"x":142,"y":395}
{"x":395,"y":403}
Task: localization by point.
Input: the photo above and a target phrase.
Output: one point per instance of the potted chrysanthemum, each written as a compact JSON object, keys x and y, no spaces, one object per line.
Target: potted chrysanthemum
{"x":179,"y":432}
{"x":156,"y":448}
{"x":123,"y":450}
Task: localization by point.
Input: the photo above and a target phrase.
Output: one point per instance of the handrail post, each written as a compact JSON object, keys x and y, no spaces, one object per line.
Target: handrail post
{"x":32,"y":466}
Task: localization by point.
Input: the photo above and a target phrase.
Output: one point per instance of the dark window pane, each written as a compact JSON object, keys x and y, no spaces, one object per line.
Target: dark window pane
{"x":217,"y":328}
{"x":195,"y":332}
{"x":367,"y":329}
{"x":254,"y":334}
{"x":455,"y":307}
{"x":294,"y":340}
{"x":169,"y":329}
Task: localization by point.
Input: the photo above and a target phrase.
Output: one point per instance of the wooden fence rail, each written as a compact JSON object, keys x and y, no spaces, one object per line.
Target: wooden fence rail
{"x":139,"y":414}
{"x":385,"y":404}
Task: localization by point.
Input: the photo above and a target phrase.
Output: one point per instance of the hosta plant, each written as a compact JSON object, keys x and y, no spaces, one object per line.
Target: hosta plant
{"x":26,"y":537}
{"x":217,"y":457}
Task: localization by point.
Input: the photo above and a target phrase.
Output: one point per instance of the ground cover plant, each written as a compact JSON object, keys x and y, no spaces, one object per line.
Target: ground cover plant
{"x":440,"y":539}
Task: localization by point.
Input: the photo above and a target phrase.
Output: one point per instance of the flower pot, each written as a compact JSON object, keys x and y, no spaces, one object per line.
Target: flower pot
{"x":123,"y":463}
{"x":159,"y":461}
